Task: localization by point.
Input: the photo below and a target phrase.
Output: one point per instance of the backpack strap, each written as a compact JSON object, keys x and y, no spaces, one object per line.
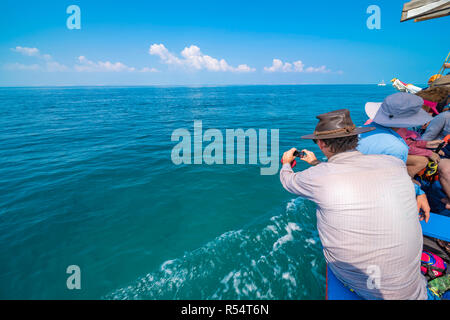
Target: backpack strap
{"x":430,"y":269}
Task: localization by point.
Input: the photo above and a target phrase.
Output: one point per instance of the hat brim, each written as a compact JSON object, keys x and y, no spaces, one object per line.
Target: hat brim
{"x":419,"y":119}
{"x":355,"y":132}
{"x":372,"y":108}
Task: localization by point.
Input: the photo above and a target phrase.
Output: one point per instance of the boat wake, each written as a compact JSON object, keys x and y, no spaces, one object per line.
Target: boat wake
{"x":280,"y":258}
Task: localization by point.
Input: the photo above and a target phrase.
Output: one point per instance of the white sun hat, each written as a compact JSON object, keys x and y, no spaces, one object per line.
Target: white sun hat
{"x":372,"y":109}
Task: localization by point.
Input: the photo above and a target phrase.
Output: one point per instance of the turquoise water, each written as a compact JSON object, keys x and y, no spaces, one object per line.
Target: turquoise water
{"x":86,"y":179}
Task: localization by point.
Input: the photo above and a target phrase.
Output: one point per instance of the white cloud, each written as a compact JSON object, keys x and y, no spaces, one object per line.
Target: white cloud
{"x":49,"y":65}
{"x":322,"y":69}
{"x":193,"y":58}
{"x":53,"y":66}
{"x":147,"y":69}
{"x":279,"y":66}
{"x":22,"y":67}
{"x":86,"y":65}
{"x":26,"y":51}
{"x":244,"y":68}
{"x":296,"y":66}
{"x":164,"y":54}
{"x":46,"y":63}
{"x":31,"y":52}
{"x":190,"y":58}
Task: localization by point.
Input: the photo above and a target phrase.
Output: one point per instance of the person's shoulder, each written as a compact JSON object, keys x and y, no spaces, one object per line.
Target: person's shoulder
{"x":381,"y":140}
{"x":380,"y":132}
{"x":445,"y":114}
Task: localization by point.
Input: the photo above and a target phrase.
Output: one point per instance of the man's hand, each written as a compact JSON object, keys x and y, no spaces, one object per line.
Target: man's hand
{"x":310,"y":157}
{"x":434,"y":144}
{"x":424,"y":207}
{"x":288,"y":156}
{"x":435,"y":157}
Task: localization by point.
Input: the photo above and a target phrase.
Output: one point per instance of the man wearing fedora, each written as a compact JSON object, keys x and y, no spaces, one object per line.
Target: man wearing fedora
{"x":366,"y":211}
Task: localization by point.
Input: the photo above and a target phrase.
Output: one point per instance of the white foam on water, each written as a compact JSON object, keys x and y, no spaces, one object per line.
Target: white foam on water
{"x":242,"y":264}
{"x":291,"y":205}
{"x":272,"y":228}
{"x":236,"y":282}
{"x":289,"y":277}
{"x":165,"y":265}
{"x":291,"y":226}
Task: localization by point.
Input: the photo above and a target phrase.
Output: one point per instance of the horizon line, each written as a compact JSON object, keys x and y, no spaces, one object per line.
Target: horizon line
{"x":188,"y":85}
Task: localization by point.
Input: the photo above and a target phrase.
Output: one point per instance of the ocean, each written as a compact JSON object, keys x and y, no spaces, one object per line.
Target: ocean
{"x":87,"y":179}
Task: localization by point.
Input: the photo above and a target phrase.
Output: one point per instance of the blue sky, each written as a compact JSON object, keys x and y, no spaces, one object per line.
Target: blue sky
{"x":215,"y":43}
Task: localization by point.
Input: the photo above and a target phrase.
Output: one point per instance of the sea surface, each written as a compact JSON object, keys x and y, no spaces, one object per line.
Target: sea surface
{"x":86,"y":179}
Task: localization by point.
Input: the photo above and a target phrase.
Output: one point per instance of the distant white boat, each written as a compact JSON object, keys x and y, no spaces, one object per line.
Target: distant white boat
{"x":382,"y":84}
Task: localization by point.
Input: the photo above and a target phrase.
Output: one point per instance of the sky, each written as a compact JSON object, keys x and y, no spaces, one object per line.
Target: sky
{"x":215,"y":43}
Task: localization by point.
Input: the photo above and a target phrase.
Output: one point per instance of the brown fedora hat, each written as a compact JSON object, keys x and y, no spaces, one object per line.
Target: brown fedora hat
{"x":336,"y":124}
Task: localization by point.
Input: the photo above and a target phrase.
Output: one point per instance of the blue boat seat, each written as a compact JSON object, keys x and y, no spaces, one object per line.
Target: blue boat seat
{"x":336,"y":290}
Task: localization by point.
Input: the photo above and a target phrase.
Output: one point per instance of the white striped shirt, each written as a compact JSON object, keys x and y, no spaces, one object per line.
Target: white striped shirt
{"x":368,"y":223}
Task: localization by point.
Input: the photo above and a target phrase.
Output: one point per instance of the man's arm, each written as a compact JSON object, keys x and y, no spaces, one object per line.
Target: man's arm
{"x":418,"y":148}
{"x":422,"y":202}
{"x":423,"y":207}
{"x":298,"y":183}
{"x":434,"y":128}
